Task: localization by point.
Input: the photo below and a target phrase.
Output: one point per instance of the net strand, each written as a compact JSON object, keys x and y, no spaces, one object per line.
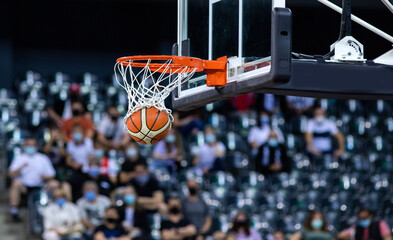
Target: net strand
{"x":145,"y":89}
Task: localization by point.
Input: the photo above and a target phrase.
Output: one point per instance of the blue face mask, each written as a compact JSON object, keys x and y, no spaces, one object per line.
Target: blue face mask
{"x":131,"y":152}
{"x":142,"y":179}
{"x":264,"y":119}
{"x":273,"y":142}
{"x":364,"y":223}
{"x":210,"y":138}
{"x":60,"y":202}
{"x":90,"y":195}
{"x":170,"y":138}
{"x":317,"y":224}
{"x":129,"y":198}
{"x":94,"y":171}
{"x":77,"y":136}
{"x":30,"y":150}
{"x":98,"y":153}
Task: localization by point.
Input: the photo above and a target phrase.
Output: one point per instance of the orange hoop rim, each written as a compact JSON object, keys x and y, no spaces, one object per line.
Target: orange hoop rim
{"x":179,"y":63}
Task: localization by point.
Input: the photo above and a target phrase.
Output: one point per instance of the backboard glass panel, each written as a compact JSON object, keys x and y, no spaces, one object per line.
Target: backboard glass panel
{"x":238,"y":29}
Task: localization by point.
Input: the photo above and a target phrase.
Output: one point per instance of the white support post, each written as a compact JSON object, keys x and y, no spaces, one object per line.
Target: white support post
{"x":358,"y":21}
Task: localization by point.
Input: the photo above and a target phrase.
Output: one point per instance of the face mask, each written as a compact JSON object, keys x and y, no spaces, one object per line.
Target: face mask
{"x":60,"y":202}
{"x":210,"y":138}
{"x":114,"y":118}
{"x":77,"y":136}
{"x":30,"y":150}
{"x":90,"y":195}
{"x":174,"y":210}
{"x":131,"y":152}
{"x":316,"y":224}
{"x":192,"y":190}
{"x":241,"y":223}
{"x":94,"y":171}
{"x":264,"y":120}
{"x":129,"y":198}
{"x":111,"y":220}
{"x":98,"y":153}
{"x":273,"y":142}
{"x":364,"y":223}
{"x":76,"y":112}
{"x":170,"y":138}
{"x":319,"y":119}
{"x":142,"y":179}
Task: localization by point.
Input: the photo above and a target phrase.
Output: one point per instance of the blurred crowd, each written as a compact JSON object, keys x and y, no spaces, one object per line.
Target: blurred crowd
{"x":101,"y":186}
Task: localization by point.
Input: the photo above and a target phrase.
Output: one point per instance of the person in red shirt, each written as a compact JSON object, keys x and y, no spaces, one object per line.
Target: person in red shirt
{"x":78,"y":118}
{"x":366,"y":228}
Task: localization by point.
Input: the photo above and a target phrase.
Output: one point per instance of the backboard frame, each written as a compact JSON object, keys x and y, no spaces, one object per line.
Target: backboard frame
{"x":277,"y":73}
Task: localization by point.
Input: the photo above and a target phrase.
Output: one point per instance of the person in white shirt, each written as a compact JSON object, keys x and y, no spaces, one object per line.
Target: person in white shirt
{"x":61,"y":219}
{"x":78,"y":151}
{"x":92,"y":207}
{"x":259,"y":134}
{"x":110,"y":132}
{"x":30,"y":169}
{"x":318,"y":136}
{"x":210,"y":155}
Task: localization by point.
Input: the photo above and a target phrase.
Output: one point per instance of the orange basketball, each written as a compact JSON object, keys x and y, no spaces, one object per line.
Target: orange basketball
{"x":148,"y":125}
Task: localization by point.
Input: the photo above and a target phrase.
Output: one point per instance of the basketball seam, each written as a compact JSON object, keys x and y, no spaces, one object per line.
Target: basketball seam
{"x":139,"y":129}
{"x":150,"y":129}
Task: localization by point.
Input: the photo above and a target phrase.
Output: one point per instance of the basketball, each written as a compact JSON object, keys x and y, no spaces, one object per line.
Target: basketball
{"x":148,"y":125}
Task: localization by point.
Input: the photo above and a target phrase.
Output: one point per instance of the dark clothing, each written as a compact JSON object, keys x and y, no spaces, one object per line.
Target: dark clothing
{"x":140,"y":220}
{"x":76,"y":181}
{"x":105,"y":185}
{"x":147,"y":189}
{"x":374,"y":233}
{"x":118,"y":231}
{"x":128,"y":166}
{"x":167,"y":224}
{"x":196,"y":212}
{"x":268,"y":155}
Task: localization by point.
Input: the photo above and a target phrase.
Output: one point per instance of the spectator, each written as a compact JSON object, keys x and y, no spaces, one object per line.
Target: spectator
{"x":61,"y":219}
{"x":60,"y":109}
{"x":278,"y":235}
{"x":134,"y":219}
{"x":268,"y":103}
{"x":196,"y":210}
{"x":111,"y":229}
{"x":54,"y":148}
{"x":132,"y":156}
{"x":176,"y":226}
{"x":272,"y":156}
{"x":188,"y":122}
{"x":298,"y":106}
{"x":210,"y":156}
{"x":243,"y":102}
{"x":104,"y":183}
{"x":242,"y":230}
{"x":367,"y":228}
{"x":168,"y":153}
{"x":111,"y":129}
{"x":260,"y":134}
{"x":78,"y":118}
{"x":78,"y":150}
{"x":29,"y":171}
{"x":315,"y":228}
{"x":150,"y":197}
{"x":92,"y":207}
{"x":318,"y":135}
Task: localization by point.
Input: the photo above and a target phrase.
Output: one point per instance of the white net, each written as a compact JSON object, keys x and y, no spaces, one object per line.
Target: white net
{"x":146,"y":88}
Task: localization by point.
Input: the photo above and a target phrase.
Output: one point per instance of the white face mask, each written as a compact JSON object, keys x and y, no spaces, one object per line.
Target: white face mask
{"x":320,"y":119}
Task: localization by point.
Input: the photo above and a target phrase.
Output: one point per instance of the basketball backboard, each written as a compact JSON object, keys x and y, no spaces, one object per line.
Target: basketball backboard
{"x":255,"y":35}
